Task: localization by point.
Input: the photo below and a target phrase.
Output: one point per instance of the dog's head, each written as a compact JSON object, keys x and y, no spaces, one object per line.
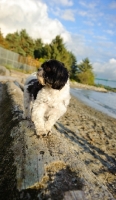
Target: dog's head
{"x":53,"y":73}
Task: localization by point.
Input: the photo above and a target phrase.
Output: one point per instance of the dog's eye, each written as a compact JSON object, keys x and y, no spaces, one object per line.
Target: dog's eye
{"x":48,"y":69}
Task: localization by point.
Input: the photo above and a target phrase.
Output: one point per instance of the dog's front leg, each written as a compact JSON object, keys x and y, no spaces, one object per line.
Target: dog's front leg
{"x":53,"y":115}
{"x":38,"y":112}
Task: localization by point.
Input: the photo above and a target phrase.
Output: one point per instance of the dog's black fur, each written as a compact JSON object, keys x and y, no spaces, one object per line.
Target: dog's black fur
{"x":34,"y":87}
{"x":55,"y":74}
{"x":46,"y":95}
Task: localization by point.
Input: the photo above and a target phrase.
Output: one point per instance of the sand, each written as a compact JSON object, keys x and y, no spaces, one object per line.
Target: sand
{"x":95,"y":134}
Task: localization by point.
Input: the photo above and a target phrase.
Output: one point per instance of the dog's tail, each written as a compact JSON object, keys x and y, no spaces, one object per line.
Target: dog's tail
{"x":31,"y":77}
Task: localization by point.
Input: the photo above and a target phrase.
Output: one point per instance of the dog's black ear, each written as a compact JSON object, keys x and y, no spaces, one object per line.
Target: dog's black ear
{"x":48,"y":69}
{"x":55,"y":74}
{"x":61,"y":79}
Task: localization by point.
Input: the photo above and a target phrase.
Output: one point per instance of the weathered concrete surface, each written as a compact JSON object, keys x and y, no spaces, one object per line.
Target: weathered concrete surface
{"x":12,"y":75}
{"x":4,"y":71}
{"x":40,"y":168}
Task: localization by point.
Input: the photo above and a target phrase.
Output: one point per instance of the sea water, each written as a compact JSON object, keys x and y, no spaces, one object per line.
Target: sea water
{"x":106,"y":82}
{"x":104,"y":102}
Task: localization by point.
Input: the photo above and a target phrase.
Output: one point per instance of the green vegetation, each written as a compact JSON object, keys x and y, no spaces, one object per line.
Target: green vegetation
{"x":3,"y":42}
{"x":23,"y":44}
{"x":85,"y":74}
{"x":110,"y":89}
{"x":10,"y":67}
{"x":106,"y":87}
{"x":20,"y":43}
{"x":55,"y":50}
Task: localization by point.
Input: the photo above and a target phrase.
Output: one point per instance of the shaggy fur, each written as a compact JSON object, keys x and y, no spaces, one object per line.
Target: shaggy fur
{"x":46,"y":95}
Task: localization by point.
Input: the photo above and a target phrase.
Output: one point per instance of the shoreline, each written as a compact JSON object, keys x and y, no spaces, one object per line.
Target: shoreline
{"x":87,"y":87}
{"x":90,"y":98}
{"x":96,"y":133}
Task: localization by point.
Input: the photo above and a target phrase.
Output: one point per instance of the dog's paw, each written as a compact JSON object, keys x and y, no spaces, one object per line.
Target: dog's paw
{"x":43,"y":134}
{"x":40,"y":133}
{"x":49,"y":133}
{"x":26,"y":118}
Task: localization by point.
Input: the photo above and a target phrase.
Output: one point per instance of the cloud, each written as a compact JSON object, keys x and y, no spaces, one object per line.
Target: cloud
{"x":83,"y":47}
{"x":91,"y":5}
{"x":89,"y":23}
{"x":113,"y":5}
{"x":106,"y":70}
{"x":82,"y":13}
{"x":31,"y":15}
{"x":104,"y":65}
{"x":63,"y":2}
{"x":100,"y":37}
{"x":110,"y":32}
{"x":68,"y":15}
{"x":91,"y":15}
{"x":112,"y":61}
{"x":78,"y":45}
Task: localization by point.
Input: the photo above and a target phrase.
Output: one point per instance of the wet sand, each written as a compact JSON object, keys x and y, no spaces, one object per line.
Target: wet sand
{"x":96,"y":136}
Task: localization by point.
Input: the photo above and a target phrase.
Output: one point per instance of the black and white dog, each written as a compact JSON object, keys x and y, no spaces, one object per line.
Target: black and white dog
{"x":46,"y":95}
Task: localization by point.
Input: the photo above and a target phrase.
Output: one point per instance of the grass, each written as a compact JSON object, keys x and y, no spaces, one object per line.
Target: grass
{"x":11,"y":67}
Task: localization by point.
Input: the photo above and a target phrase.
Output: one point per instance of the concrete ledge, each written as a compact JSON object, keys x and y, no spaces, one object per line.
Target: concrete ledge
{"x":4,"y":71}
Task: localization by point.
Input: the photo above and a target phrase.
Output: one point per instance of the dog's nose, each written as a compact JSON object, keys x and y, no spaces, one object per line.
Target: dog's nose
{"x":40,"y":71}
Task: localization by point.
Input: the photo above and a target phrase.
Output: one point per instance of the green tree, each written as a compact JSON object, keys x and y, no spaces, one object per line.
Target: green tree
{"x":85,"y":65}
{"x":13,"y":40}
{"x":3,"y":42}
{"x":27,"y":43}
{"x":73,"y":70}
{"x":38,"y":49}
{"x":47,"y":52}
{"x":57,"y":50}
{"x":38,"y":43}
{"x":85,"y":73}
{"x":21,"y":43}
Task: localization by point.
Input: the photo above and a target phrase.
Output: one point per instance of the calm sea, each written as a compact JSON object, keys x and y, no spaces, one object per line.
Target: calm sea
{"x":106,"y":82}
{"x":104,"y":102}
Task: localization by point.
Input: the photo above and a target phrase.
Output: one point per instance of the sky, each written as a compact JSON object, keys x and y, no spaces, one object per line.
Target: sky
{"x":88,"y":27}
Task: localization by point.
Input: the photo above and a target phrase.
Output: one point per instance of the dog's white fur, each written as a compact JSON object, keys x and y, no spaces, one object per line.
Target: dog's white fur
{"x":49,"y":105}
